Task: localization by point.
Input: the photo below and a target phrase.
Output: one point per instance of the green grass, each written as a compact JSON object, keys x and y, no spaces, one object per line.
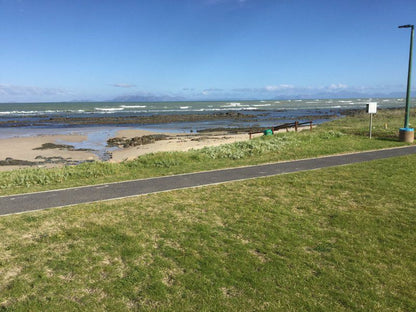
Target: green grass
{"x":336,"y":239}
{"x":345,"y":135}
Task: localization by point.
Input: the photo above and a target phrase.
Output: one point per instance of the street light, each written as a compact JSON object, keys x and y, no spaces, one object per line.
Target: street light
{"x":406,"y":133}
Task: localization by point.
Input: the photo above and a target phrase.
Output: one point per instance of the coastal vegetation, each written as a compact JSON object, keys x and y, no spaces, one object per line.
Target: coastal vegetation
{"x":338,"y":239}
{"x":344,"y":135}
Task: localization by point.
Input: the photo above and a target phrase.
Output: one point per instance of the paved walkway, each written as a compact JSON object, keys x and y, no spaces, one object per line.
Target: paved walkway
{"x":72,"y":196}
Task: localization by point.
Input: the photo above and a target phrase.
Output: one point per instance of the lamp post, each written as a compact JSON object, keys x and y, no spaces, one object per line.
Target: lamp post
{"x":406,"y":133}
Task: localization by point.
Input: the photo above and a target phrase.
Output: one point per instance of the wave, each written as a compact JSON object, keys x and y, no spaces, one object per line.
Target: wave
{"x":22,"y":112}
{"x":112,"y":109}
{"x":262,"y":105}
{"x":232,"y":104}
{"x":46,"y":112}
{"x":133,"y":106}
{"x":184,"y":107}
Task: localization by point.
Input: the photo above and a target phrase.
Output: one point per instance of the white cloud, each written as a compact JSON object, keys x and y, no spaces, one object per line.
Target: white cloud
{"x":123,"y":85}
{"x":13,"y":90}
{"x":279,"y":87}
{"x":213,"y":90}
{"x":338,"y":86}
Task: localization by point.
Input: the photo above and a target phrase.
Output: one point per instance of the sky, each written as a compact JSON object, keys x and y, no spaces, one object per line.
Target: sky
{"x":69,"y":50}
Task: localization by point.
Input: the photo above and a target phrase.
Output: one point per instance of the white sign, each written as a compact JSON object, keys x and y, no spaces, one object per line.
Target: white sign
{"x":372,"y":108}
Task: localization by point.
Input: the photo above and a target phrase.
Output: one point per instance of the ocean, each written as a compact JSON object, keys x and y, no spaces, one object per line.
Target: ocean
{"x":29,"y":119}
{"x":101,"y":108}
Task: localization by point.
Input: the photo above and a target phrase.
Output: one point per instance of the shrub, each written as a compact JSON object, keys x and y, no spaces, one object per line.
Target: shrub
{"x":250,"y":148}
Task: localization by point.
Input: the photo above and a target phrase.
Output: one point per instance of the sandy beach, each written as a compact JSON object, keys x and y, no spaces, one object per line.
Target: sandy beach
{"x":31,"y":151}
{"x":173,"y":142}
{"x":56,"y":134}
{"x":180,"y":142}
{"x":46,"y":151}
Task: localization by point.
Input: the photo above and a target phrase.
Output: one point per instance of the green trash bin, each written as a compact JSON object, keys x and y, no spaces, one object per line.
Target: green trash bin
{"x":268,"y":132}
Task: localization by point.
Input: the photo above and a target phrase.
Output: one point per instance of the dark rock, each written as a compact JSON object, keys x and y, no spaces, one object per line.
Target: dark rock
{"x":53,"y":146}
{"x":136,"y":141}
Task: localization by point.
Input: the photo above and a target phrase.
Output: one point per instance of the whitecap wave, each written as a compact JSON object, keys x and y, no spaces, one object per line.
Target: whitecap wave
{"x":234,"y":105}
{"x":22,"y":112}
{"x":133,"y":106}
{"x":262,"y":105}
{"x":111,"y":109}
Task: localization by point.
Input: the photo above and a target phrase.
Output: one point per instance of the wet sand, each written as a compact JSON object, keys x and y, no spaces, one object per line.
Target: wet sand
{"x":56,"y":150}
{"x":43,"y":151}
{"x":47,"y":151}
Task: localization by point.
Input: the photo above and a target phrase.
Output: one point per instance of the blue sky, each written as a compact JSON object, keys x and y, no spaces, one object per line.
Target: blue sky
{"x":63,"y":50}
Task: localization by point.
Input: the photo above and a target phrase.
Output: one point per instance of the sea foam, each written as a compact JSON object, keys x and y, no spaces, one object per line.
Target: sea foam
{"x":133,"y":106}
{"x":111,"y":109}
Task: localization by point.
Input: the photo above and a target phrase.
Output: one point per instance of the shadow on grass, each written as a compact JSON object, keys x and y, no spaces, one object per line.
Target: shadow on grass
{"x":390,"y":139}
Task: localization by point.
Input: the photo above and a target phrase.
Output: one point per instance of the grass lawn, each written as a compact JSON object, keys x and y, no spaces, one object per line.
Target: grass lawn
{"x":348,"y":134}
{"x":336,"y":239}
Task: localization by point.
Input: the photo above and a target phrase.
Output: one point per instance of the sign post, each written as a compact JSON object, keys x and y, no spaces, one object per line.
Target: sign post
{"x":371,"y":109}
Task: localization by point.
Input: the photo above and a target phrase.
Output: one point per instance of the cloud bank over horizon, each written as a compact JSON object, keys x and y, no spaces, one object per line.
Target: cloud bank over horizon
{"x":123,"y":85}
{"x":15,"y":93}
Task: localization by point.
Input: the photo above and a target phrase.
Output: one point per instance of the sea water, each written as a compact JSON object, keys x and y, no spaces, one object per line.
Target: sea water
{"x":11,"y":114}
{"x":79,"y":109}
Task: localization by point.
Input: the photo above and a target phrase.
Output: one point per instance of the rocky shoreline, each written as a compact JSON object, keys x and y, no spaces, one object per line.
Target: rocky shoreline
{"x":41,"y":120}
{"x":124,"y":120}
{"x":123,"y":142}
{"x":52,"y":149}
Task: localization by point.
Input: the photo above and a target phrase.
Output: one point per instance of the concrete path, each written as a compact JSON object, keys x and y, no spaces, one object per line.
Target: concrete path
{"x":72,"y":196}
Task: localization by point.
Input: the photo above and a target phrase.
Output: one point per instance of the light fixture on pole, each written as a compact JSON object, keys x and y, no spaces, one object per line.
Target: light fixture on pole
{"x":407,"y":134}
